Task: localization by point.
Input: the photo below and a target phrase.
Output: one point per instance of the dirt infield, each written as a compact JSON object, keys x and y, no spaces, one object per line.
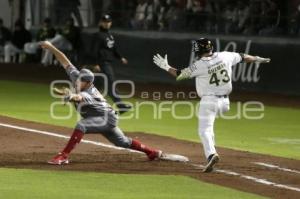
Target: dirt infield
{"x":22,"y":148}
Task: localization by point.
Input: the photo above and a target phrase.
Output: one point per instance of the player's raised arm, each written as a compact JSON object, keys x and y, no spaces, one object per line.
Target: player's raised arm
{"x":60,"y":56}
{"x":163,"y":64}
{"x":257,"y":59}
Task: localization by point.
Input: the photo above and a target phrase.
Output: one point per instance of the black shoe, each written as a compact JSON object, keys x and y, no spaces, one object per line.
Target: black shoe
{"x":212,"y":161}
{"x":123,"y":108}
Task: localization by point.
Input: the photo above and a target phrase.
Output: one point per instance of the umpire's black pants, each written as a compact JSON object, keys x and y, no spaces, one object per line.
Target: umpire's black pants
{"x":107,"y":69}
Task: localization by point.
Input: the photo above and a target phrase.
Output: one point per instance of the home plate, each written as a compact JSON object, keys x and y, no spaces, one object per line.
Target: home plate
{"x":174,"y":157}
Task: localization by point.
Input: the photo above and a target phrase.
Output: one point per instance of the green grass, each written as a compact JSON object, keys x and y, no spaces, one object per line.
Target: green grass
{"x":276,"y":134}
{"x":31,"y":184}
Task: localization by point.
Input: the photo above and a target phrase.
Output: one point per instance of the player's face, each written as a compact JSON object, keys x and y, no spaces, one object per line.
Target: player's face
{"x":80,"y":85}
{"x":106,"y":24}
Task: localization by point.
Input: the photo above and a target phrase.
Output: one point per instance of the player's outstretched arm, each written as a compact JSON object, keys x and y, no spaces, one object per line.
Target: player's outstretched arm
{"x":256,"y":59}
{"x":73,"y":98}
{"x":67,"y":95}
{"x":60,"y":56}
{"x":162,"y":62}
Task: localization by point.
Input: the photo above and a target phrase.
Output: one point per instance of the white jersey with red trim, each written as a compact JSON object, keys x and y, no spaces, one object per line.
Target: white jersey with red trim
{"x":213,"y":73}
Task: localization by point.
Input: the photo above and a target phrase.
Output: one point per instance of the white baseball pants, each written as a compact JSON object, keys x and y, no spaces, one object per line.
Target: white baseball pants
{"x":210,"y":107}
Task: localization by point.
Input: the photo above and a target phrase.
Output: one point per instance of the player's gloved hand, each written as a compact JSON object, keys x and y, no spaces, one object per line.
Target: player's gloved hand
{"x":161,"y":62}
{"x":68,"y":98}
{"x":61,"y":91}
{"x":262,"y":60}
{"x":66,"y":94}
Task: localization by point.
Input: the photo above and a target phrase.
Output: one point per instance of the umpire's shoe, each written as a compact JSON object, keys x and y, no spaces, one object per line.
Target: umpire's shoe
{"x":123,"y":108}
{"x":212,"y":161}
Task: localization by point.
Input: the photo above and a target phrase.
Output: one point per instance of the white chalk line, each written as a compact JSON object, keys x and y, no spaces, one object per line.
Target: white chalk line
{"x":227,"y":172}
{"x":251,"y":178}
{"x":276,"y":167}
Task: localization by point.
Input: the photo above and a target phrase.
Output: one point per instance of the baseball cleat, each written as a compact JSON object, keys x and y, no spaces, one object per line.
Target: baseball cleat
{"x":123,"y":108}
{"x":213,"y":160}
{"x":154,"y":155}
{"x":59,"y":159}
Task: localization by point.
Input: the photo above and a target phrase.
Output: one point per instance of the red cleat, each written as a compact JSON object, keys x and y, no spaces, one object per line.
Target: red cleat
{"x":155,"y":154}
{"x":59,"y":159}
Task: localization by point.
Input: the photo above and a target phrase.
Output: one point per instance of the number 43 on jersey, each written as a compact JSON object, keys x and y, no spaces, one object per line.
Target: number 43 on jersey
{"x":219,"y":77}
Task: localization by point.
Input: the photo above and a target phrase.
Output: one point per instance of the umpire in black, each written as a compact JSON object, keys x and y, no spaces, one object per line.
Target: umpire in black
{"x":106,"y":52}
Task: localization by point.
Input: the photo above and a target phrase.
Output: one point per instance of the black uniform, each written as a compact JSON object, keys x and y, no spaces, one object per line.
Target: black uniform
{"x":5,"y":35}
{"x":106,"y":52}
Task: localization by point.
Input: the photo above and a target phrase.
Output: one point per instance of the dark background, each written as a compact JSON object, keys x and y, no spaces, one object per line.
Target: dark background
{"x":282,"y":75}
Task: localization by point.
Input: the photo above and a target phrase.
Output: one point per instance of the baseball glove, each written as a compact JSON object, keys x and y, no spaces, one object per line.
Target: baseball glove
{"x":62,"y":91}
{"x":66,"y":93}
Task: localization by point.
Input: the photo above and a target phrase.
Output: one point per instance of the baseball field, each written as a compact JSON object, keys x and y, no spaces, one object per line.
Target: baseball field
{"x":259,"y":158}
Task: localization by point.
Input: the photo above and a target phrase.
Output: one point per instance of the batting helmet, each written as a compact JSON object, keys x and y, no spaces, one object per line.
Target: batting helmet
{"x":86,"y":75}
{"x":202,"y":45}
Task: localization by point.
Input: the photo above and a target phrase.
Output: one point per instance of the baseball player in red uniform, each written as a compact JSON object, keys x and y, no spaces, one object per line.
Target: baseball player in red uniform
{"x":97,"y":115}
